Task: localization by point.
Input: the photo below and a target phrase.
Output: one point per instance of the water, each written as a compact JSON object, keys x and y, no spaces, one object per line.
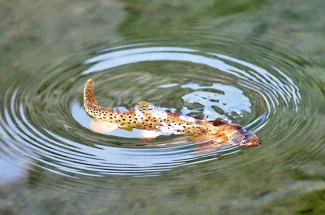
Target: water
{"x":215,"y":59}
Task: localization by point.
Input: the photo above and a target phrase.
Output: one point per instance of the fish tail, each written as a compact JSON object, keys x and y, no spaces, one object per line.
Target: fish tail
{"x":90,"y":102}
{"x":89,"y":93}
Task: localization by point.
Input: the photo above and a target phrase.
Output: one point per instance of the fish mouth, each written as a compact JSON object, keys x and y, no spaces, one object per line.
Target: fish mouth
{"x":252,"y":141}
{"x":247,"y":139}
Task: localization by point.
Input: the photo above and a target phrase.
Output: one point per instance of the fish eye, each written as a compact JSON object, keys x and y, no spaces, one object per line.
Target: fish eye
{"x":243,"y":142}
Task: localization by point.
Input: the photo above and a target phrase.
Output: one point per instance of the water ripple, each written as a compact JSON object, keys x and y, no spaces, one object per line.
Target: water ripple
{"x":43,"y":123}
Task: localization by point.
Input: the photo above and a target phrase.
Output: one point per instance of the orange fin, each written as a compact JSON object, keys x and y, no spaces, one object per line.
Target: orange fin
{"x":90,"y":102}
{"x":197,"y":116}
{"x":143,"y":106}
{"x":125,"y":127}
{"x":145,"y":140}
{"x":206,"y":143}
{"x":102,"y":126}
{"x":207,"y":146}
{"x":148,"y":135}
{"x":201,"y":138}
{"x":89,"y":93}
{"x":219,"y":121}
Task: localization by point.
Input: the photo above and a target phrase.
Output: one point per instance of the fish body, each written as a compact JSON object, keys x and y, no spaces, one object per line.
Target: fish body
{"x":149,"y":117}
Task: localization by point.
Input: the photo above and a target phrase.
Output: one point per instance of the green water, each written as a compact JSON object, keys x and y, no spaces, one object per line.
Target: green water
{"x":257,"y":63}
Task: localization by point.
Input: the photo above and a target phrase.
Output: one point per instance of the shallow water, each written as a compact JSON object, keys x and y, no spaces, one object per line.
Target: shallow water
{"x":256,"y":63}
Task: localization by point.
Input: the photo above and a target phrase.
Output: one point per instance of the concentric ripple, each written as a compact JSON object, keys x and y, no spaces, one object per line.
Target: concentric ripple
{"x":43,"y":123}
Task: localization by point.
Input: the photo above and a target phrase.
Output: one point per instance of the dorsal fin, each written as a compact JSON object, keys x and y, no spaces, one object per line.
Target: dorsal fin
{"x":196,"y":116}
{"x":219,"y":121}
{"x":143,"y":106}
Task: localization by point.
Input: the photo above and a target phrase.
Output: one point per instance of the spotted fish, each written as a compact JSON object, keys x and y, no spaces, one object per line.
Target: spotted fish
{"x":146,"y":116}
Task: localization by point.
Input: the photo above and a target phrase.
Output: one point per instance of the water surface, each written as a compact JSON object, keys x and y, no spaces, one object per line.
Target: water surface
{"x":214,"y":59}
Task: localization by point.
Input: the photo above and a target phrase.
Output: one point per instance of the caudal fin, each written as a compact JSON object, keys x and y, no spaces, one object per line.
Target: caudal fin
{"x":90,"y":103}
{"x":89,"y":93}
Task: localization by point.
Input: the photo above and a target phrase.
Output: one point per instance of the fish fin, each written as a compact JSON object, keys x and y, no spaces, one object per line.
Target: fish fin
{"x":216,"y":122}
{"x":204,"y":147}
{"x":201,"y":138}
{"x":90,"y":102}
{"x":196,"y":116}
{"x":204,"y":121}
{"x":148,"y":139}
{"x":143,"y":105}
{"x":102,"y":126}
{"x":205,"y":143}
{"x":125,"y":127}
{"x":89,"y":93}
{"x":219,"y":121}
{"x":148,"y":135}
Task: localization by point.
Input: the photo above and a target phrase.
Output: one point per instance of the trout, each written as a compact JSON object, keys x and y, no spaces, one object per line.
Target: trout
{"x":145,"y":116}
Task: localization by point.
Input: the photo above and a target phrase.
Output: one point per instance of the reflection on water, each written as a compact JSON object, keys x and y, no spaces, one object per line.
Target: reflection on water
{"x":210,"y":59}
{"x":230,"y":99}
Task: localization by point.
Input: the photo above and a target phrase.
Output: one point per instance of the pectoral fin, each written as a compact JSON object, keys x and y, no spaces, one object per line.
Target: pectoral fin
{"x":196,"y":116}
{"x":145,"y":140}
{"x":205,"y":143}
{"x":125,"y":127}
{"x":149,"y":135}
{"x":102,"y":126}
{"x":201,"y":138}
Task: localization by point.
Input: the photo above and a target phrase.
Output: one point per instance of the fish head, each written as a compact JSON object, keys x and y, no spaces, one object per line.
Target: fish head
{"x":250,"y":140}
{"x":233,"y":134}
